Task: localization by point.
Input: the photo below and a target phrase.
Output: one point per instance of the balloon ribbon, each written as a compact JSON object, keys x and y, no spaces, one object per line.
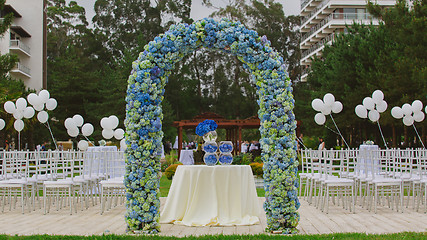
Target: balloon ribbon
{"x":339,"y":131}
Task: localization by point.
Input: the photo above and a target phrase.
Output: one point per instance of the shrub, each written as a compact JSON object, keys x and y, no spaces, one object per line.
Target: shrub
{"x":257,"y":169}
{"x":258,"y":159}
{"x":170,"y":171}
{"x":164,"y":166}
{"x":247,"y":158}
{"x":171,"y":159}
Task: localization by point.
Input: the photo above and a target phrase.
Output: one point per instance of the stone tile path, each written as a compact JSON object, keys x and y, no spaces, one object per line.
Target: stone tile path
{"x":313,"y":221}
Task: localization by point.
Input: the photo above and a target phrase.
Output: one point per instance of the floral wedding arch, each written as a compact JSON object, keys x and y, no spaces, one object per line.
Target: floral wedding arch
{"x":146,"y":87}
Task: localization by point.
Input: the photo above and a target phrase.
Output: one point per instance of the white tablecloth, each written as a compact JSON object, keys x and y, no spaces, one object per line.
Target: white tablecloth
{"x":186,"y":157}
{"x":221,"y":195}
{"x":364,"y":161}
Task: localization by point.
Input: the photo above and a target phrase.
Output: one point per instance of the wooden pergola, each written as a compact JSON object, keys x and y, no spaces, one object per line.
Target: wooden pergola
{"x":233,"y":127}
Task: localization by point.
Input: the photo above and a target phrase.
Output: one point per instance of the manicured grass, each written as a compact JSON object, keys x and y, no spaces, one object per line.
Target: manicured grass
{"x":337,"y":236}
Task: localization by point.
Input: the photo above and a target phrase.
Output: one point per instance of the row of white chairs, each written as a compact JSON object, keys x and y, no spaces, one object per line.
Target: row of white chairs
{"x":371,"y":178}
{"x":61,"y":178}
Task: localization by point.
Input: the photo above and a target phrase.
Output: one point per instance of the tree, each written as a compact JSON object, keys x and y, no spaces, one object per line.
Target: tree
{"x":390,"y":57}
{"x":10,"y":89}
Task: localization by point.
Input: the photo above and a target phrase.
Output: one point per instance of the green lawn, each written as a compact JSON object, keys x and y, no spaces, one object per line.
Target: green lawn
{"x":165,"y":185}
{"x":337,"y":236}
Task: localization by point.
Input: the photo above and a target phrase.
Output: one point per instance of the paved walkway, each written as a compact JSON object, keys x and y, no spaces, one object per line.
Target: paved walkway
{"x":313,"y":221}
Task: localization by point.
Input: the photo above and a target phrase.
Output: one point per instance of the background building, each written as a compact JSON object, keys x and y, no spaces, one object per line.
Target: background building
{"x":27,"y":39}
{"x":322,"y":20}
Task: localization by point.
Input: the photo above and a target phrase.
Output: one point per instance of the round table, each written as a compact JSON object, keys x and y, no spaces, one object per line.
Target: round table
{"x":203,"y":195}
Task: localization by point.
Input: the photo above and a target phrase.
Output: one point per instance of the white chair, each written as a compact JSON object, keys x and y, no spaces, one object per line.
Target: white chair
{"x":333,"y":185}
{"x":62,"y":189}
{"x":379,"y":184}
{"x":15,"y":180}
{"x":304,"y":172}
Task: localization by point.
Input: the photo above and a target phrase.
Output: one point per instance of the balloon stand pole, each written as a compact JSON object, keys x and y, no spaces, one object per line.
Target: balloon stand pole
{"x":89,"y":140}
{"x":19,"y":141}
{"x":301,"y":143}
{"x":331,"y":130}
{"x":51,"y":134}
{"x":418,"y":135}
{"x":379,"y":127}
{"x":339,"y":131}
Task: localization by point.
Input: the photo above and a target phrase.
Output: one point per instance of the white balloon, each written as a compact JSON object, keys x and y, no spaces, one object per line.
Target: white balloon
{"x":326,"y":110}
{"x":114,"y":121}
{"x":21,"y":103}
{"x":105,"y":123}
{"x":9,"y":107}
{"x":407,"y":109}
{"x":51,"y":104}
{"x":32,"y":98}
{"x":44,"y":95}
{"x":123,"y":144}
{"x":317,"y":104}
{"x":119,"y":133}
{"x":337,"y":107}
{"x":417,"y":106}
{"x":107,"y":133}
{"x":2,"y":124}
{"x":374,"y":115}
{"x":320,"y":119}
{"x":73,"y":132}
{"x":29,"y":112}
{"x":397,"y":112}
{"x":378,"y":96}
{"x":382,"y":106}
{"x":408,"y":120}
{"x":87,"y":129}
{"x":38,"y":107}
{"x":18,"y":114}
{"x":368,"y":103}
{"x":18,"y":125}
{"x":78,"y":119}
{"x":328,"y":99}
{"x":70,"y":123}
{"x":38,"y":100}
{"x":83,"y":145}
{"x":425,"y":109}
{"x":419,"y":116}
{"x":43,"y":116}
{"x":361,"y":111}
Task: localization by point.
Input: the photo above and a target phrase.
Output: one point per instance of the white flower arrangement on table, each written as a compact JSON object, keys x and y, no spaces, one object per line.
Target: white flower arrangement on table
{"x":369,"y":142}
{"x":146,"y":87}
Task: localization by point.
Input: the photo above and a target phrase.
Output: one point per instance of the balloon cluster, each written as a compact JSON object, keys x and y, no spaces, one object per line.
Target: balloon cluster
{"x":325,"y":107}
{"x":372,"y":106}
{"x":109,"y":125}
{"x":72,"y":125}
{"x":21,"y":110}
{"x":409,"y":113}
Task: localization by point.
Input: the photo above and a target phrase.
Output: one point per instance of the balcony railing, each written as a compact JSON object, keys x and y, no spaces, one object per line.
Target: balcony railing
{"x":304,"y":3}
{"x":314,"y":12}
{"x":345,"y":16}
{"x":23,"y":69}
{"x":20,"y":45}
{"x":318,"y":45}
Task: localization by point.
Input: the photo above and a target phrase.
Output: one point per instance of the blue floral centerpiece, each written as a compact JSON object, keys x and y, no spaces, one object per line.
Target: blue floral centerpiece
{"x":225,"y":147}
{"x":146,"y":87}
{"x":210,"y":147}
{"x":206,"y":129}
{"x":210,"y":159}
{"x":225,"y":158}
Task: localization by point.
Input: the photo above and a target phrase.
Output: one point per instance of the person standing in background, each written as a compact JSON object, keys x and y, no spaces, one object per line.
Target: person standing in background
{"x":321,"y":143}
